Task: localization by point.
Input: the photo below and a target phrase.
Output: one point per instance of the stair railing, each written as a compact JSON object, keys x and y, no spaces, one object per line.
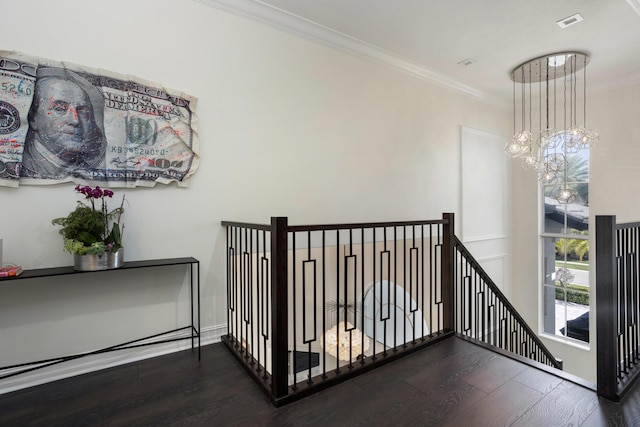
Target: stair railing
{"x":617,"y":306}
{"x":484,"y":314}
{"x":313,"y":305}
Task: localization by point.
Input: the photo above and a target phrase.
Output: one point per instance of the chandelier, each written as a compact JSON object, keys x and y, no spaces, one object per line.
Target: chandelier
{"x":550,"y":117}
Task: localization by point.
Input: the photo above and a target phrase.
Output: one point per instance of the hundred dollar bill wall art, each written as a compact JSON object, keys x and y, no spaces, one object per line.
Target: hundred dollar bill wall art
{"x":61,"y":122}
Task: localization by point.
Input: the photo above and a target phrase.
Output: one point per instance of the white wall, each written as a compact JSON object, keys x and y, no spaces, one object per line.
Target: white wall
{"x":484,"y":203}
{"x":287,"y":127}
{"x":615,"y":161}
{"x":613,"y":190}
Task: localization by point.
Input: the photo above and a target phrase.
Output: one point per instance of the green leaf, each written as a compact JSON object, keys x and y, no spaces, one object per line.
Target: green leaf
{"x":115,"y":234}
{"x":87,"y":238}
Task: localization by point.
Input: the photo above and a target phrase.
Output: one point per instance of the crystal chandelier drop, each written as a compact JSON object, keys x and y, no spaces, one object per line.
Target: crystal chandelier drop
{"x":550,"y":117}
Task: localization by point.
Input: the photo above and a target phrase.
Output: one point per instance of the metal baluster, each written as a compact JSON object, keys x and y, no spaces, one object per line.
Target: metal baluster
{"x":294,"y":286}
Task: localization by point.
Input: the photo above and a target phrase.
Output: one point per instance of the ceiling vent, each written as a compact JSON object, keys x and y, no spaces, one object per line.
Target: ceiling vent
{"x":569,"y":21}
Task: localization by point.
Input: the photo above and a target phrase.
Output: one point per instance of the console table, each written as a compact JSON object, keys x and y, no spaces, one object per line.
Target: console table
{"x":193,"y":328}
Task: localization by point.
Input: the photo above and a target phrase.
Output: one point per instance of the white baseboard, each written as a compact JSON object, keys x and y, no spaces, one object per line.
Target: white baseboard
{"x":208,"y":335}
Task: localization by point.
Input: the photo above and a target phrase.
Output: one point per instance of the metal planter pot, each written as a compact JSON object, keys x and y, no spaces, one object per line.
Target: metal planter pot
{"x":93,"y":262}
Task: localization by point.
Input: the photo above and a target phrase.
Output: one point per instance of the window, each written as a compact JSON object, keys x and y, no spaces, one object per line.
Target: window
{"x":565,"y":250}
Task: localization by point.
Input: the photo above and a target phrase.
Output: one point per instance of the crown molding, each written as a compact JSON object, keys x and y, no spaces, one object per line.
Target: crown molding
{"x":288,"y":22}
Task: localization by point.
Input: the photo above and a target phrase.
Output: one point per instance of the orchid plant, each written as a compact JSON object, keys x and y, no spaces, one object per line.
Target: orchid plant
{"x":89,"y":229}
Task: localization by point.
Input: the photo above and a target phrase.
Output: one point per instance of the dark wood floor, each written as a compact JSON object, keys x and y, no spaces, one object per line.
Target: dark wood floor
{"x":454,"y":383}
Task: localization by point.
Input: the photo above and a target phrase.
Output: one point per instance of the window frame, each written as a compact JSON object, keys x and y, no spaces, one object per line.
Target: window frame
{"x":544,"y":287}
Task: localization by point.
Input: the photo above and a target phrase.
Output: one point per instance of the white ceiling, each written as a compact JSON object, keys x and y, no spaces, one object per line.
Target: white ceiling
{"x":430,"y":37}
